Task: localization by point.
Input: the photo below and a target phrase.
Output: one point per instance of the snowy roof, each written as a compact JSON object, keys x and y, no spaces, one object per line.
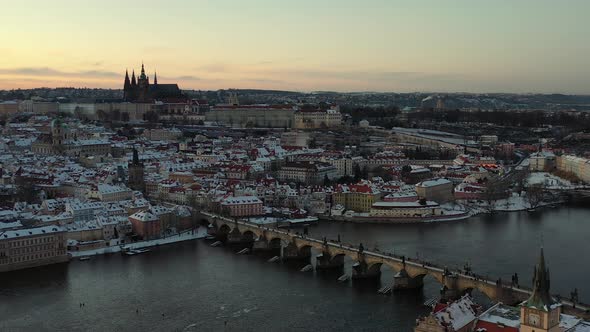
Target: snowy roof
{"x":458,"y":314}
{"x":241,"y":200}
{"x":502,"y":314}
{"x":417,"y":204}
{"x":144,"y":216}
{"x":432,"y":183}
{"x":30,"y":232}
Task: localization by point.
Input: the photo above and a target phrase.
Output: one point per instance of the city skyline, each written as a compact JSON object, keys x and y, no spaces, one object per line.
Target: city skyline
{"x":529,"y":46}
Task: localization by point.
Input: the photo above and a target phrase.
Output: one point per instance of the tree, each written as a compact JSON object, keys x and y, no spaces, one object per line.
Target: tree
{"x":358,"y":174}
{"x":534,"y":195}
{"x":494,"y":190}
{"x":327,"y":181}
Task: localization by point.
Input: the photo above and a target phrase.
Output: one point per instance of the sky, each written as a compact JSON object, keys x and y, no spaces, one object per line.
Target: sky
{"x":305,"y":45}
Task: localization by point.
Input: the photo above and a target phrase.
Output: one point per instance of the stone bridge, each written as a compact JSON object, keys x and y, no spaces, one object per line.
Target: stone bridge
{"x":410,"y":272}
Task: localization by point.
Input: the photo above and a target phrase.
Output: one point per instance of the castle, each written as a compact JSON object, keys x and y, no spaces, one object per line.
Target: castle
{"x":141,"y":91}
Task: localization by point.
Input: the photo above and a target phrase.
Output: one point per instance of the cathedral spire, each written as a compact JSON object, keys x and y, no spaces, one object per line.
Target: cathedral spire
{"x":142,"y":75}
{"x":127,"y":83}
{"x":155,"y":78}
{"x":133,"y":82}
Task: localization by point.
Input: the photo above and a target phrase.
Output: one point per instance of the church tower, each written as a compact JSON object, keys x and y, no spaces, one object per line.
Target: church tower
{"x":136,"y":180}
{"x":540,"y":313}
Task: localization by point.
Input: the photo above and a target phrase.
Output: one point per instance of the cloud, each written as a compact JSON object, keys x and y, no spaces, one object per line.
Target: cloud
{"x":214,"y":68}
{"x":50,"y":72}
{"x":184,"y":77}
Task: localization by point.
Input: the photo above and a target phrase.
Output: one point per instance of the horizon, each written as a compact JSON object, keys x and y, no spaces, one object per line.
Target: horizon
{"x":529,"y":47}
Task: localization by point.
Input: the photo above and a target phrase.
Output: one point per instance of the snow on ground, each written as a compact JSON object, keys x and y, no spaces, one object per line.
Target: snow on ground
{"x":200,"y":233}
{"x":510,"y":204}
{"x":263,"y":220}
{"x":549,"y":181}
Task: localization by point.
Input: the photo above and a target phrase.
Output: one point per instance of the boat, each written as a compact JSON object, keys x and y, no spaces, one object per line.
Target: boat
{"x":132,"y":252}
{"x":84,"y":258}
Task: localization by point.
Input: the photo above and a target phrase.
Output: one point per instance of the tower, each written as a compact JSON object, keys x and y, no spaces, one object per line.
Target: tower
{"x":136,"y":181}
{"x":143,"y":84}
{"x":540,"y":313}
{"x":127,"y":87}
{"x":155,"y":78}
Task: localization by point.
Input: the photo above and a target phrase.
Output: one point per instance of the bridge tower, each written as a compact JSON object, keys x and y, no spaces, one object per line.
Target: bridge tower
{"x":540,"y":313}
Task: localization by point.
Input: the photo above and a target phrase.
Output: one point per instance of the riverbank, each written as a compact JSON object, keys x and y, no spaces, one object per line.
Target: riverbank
{"x":199,"y":233}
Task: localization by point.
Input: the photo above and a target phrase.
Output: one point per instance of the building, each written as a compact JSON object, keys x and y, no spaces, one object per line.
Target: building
{"x":317,"y":118}
{"x":31,"y":247}
{"x":64,"y":140}
{"x":110,"y":193}
{"x":8,"y":107}
{"x":358,"y":198}
{"x":457,"y":316}
{"x":488,"y":139}
{"x":136,"y":177}
{"x":575,"y":165}
{"x":141,"y":91}
{"x":438,"y":190}
{"x":416,"y":209}
{"x":242,"y":206}
{"x":146,"y":224}
{"x":252,"y":116}
{"x":162,"y":134}
{"x":540,"y":313}
{"x":542,"y":161}
{"x":307,"y":172}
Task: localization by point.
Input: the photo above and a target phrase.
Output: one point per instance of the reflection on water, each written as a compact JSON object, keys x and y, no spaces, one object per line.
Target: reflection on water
{"x":194,"y":287}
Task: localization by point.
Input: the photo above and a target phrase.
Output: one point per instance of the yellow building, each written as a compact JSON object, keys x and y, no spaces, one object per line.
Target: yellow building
{"x":358,"y":198}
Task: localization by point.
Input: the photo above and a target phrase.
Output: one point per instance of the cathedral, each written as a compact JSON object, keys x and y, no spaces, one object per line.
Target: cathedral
{"x":140,"y":90}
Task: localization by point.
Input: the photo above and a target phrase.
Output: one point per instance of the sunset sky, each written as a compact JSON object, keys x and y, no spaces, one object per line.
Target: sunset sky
{"x":303,"y":45}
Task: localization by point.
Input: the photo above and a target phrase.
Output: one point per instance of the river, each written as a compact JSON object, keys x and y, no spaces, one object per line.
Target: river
{"x":194,"y":287}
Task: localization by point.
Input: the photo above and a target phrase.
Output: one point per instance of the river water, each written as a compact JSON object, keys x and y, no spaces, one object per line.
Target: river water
{"x":194,"y":287}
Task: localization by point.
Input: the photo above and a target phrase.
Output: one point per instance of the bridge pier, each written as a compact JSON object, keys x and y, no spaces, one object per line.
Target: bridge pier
{"x":403,"y":281}
{"x":362,"y":271}
{"x":450,"y":290}
{"x":325,"y":261}
{"x":292,"y":253}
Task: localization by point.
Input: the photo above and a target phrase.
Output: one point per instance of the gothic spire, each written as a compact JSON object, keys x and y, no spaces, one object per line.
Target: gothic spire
{"x":540,"y":298}
{"x":127,"y":83}
{"x":135,"y":157}
{"x":155,"y":78}
{"x":142,"y":75}
{"x":133,"y":81}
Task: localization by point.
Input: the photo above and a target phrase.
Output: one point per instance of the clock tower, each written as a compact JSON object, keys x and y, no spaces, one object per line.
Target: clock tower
{"x":540,"y":313}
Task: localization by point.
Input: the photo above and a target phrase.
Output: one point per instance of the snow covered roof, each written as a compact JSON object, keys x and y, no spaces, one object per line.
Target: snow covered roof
{"x":241,"y":200}
{"x":458,"y":314}
{"x":30,"y":232}
{"x":416,"y":204}
{"x":433,"y":182}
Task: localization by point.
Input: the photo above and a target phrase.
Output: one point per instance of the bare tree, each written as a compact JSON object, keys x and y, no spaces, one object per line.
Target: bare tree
{"x":534,"y":195}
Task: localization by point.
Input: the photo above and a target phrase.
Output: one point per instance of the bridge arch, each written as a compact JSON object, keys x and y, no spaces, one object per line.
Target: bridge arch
{"x":374,"y":268}
{"x":305,"y":250}
{"x":248,"y":235}
{"x":224,"y":229}
{"x":275,"y":242}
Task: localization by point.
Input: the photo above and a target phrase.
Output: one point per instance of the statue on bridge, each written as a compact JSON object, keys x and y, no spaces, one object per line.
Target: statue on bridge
{"x":361,"y":248}
{"x":574,"y":296}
